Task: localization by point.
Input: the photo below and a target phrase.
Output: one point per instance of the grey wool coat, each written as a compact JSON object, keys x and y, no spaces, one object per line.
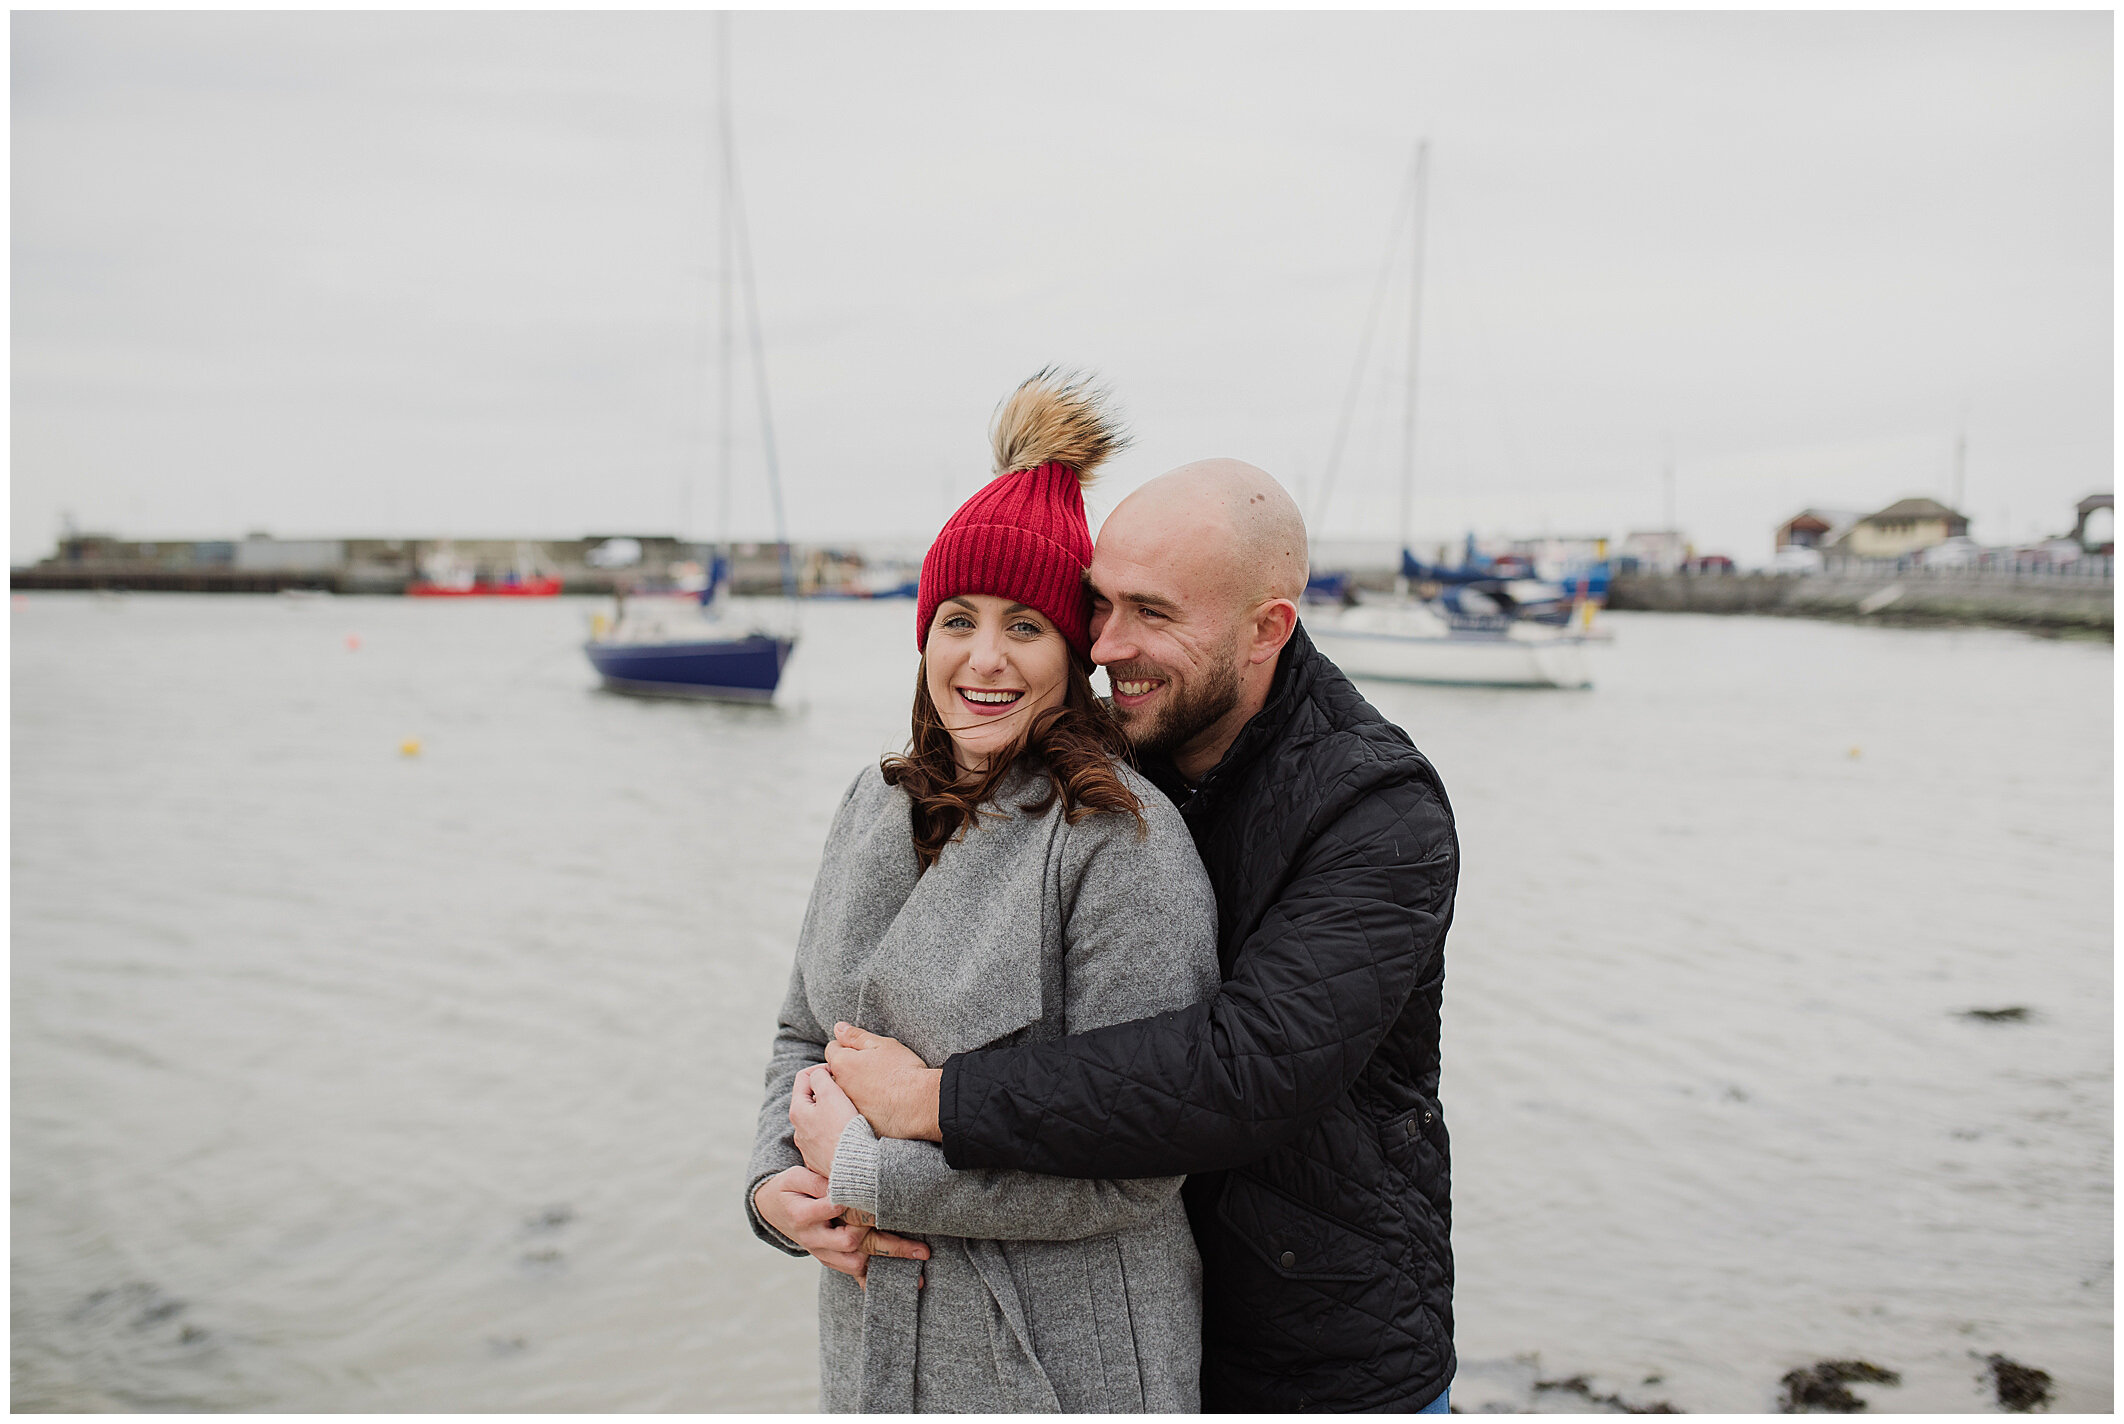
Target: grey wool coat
{"x":1041,"y":1293}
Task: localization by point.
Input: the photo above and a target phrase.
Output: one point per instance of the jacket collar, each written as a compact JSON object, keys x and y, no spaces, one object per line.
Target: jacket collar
{"x":1295,"y":671}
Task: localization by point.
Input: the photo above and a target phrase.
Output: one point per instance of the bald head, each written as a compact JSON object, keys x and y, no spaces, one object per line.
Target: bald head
{"x":1195,"y":586}
{"x":1229,"y":522}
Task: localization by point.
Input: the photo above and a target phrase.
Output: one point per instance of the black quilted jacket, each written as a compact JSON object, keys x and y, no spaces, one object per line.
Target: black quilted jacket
{"x":1303,"y":1098}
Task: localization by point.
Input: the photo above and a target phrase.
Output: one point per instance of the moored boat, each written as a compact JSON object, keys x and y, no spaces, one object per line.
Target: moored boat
{"x":443,"y":574}
{"x":1479,"y":625}
{"x":733,"y":669}
{"x":701,"y":651}
{"x":509,"y":586}
{"x":878,"y":583}
{"x":1413,"y":641}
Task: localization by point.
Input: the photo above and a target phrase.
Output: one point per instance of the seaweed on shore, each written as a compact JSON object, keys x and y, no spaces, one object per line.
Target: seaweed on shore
{"x":1820,"y":1389}
{"x":2012,"y":1013}
{"x":2021,"y":1388}
{"x":1583,"y":1388}
{"x":142,"y":1306}
{"x":551,"y":1218}
{"x":545,"y":1222}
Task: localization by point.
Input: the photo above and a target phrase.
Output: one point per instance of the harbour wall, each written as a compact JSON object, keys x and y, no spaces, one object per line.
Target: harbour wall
{"x":148,"y":578}
{"x":2056,"y":602}
{"x":391,"y":567}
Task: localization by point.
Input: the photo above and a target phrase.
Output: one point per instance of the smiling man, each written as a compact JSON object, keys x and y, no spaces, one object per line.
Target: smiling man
{"x":1302,"y":1099}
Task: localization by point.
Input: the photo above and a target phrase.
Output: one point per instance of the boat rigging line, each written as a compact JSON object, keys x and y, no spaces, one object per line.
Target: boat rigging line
{"x":737,"y":260}
{"x":1408,"y":419}
{"x":1407,"y":201}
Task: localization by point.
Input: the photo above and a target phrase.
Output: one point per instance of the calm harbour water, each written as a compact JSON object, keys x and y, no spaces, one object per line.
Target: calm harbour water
{"x":351,"y":1080}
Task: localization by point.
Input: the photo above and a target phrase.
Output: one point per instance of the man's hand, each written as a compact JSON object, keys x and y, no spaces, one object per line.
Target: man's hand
{"x":793,"y":1201}
{"x":818,"y":1110}
{"x":888,"y":1083}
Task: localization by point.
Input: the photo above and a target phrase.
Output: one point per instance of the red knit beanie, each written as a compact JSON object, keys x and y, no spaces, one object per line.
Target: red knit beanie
{"x":1023,"y":535}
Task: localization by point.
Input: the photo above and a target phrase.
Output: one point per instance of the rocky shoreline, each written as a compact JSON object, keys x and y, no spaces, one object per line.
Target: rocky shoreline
{"x":1918,"y":598}
{"x":1519,"y":1386}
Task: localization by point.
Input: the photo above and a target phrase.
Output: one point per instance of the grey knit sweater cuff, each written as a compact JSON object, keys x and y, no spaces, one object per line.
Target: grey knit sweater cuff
{"x":855,"y":1168}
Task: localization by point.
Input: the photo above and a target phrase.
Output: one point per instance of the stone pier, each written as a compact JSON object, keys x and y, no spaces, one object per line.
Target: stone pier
{"x":2048,"y":601}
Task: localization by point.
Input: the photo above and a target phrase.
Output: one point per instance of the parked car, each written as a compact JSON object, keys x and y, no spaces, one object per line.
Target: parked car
{"x":1796,"y":559}
{"x":1710,"y":564}
{"x":2049,"y":554}
{"x":1957,"y":553}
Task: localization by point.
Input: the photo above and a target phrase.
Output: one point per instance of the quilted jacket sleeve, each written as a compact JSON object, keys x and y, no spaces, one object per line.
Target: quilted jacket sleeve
{"x":1141,"y":936}
{"x":1310,"y":993}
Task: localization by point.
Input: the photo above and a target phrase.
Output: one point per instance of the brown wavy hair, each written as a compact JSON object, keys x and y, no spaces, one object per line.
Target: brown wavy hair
{"x":1079,"y":743}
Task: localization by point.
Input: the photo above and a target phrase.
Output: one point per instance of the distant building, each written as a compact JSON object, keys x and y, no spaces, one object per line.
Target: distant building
{"x":261,"y":553}
{"x":1904,"y":527}
{"x":95,"y":551}
{"x":1816,"y":528}
{"x":1655,"y":551}
{"x":2096,"y":529}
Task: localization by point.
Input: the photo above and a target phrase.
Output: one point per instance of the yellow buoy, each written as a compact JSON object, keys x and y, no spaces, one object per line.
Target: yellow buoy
{"x":1854,"y":753}
{"x":409,"y":747}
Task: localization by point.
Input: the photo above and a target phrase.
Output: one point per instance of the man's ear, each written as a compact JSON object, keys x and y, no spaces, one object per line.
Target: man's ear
{"x":1274,"y":622}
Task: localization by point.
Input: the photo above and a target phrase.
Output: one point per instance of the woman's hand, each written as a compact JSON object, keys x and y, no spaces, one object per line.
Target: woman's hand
{"x":793,"y":1202}
{"x":819,"y":1110}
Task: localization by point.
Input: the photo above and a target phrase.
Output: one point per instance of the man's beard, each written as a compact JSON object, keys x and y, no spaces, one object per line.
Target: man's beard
{"x":1188,"y":708}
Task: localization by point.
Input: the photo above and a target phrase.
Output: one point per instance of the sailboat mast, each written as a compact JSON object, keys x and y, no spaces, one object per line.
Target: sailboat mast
{"x":725,"y":263}
{"x":743,"y":232}
{"x":1408,"y":415}
{"x":1961,"y":465}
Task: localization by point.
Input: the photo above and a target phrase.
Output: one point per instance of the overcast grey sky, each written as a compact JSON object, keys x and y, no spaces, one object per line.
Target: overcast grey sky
{"x":404,"y":273}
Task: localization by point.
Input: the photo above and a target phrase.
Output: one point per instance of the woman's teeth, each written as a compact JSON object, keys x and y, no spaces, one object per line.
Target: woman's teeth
{"x":972,"y":696}
{"x":1133,"y":688}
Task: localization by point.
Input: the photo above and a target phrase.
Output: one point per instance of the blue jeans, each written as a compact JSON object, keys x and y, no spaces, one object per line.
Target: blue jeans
{"x":1438,"y":1405}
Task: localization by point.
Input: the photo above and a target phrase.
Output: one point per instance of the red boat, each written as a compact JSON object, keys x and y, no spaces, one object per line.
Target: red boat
{"x":511,"y":586}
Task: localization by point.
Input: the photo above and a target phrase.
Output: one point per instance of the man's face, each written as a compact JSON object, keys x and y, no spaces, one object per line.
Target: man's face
{"x":1167,"y":637}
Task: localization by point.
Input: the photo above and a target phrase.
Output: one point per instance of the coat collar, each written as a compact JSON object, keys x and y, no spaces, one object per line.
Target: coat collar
{"x":945,"y":960}
{"x":1296,"y":668}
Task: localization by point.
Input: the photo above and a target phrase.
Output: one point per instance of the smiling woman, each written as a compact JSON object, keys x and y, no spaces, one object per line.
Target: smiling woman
{"x":992,"y":665}
{"x":1009,"y":878}
{"x":997,"y":681}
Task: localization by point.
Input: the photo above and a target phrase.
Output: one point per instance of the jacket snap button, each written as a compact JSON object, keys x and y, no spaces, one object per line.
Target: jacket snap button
{"x":1289,"y":1259}
{"x":1409,"y":1127}
{"x":1426,"y":1117}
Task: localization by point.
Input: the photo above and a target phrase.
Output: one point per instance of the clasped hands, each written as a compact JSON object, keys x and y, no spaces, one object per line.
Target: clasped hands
{"x":891,"y":1087}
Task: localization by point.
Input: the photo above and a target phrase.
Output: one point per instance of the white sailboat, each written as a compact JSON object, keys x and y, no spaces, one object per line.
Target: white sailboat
{"x":1475,"y":636}
{"x":1407,"y":640}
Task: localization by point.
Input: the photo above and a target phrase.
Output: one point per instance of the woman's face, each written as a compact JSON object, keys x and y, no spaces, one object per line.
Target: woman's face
{"x":992,"y":666}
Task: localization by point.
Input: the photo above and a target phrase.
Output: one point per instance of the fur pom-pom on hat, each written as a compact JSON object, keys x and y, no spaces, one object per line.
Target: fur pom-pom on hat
{"x":1056,"y":416}
{"x":1023,"y":535}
